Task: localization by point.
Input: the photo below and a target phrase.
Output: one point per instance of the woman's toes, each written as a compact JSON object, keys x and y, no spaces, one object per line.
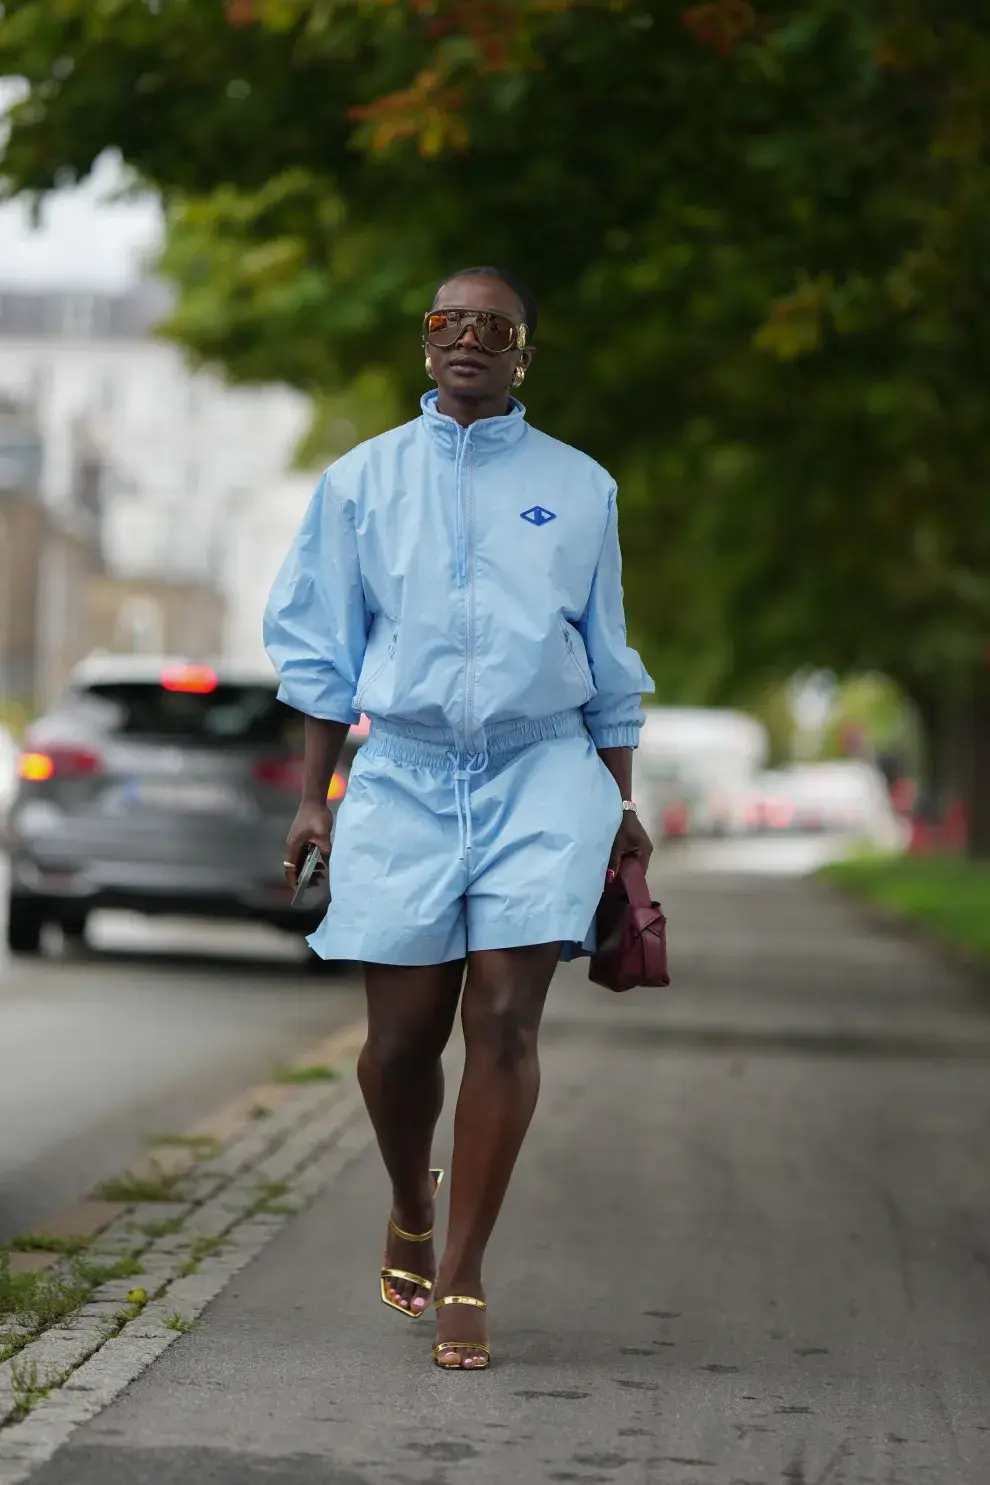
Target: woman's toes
{"x":419,"y":1303}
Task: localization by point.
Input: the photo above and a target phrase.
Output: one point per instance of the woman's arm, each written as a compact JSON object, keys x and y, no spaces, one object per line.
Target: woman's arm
{"x":316,"y":623}
{"x":619,"y":762}
{"x":316,"y":633}
{"x":324,"y":742}
{"x":614,"y":714}
{"x":632,"y":839}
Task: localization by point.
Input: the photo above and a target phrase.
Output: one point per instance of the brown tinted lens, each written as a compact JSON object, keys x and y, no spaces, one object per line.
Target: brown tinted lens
{"x":496,"y":332}
{"x":443,"y":326}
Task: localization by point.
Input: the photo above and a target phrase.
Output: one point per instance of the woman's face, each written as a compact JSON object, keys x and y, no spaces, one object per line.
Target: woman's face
{"x":466,"y":370}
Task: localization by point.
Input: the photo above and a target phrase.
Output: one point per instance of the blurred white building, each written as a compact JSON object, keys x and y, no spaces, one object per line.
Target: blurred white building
{"x":194,"y":473}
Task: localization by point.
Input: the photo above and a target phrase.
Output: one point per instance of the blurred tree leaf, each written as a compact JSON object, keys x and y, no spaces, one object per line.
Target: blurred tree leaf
{"x":760,"y":234}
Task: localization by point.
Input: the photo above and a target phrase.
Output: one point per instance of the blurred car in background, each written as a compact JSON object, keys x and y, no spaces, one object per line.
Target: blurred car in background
{"x":159,"y":786}
{"x":847,"y":796}
{"x":693,"y":767}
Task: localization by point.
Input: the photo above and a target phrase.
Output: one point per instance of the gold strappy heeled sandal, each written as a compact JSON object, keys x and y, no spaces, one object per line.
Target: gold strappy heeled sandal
{"x":477,"y":1304}
{"x":401,"y":1273}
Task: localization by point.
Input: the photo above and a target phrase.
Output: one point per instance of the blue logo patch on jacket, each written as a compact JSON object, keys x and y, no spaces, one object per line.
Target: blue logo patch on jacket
{"x":538,"y":515}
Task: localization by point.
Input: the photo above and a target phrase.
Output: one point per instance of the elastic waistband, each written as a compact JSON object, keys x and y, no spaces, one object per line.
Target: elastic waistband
{"x":422,"y":747}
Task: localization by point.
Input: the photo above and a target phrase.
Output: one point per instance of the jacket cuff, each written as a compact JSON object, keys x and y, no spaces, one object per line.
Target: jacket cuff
{"x":623,"y":735}
{"x":322,"y":712}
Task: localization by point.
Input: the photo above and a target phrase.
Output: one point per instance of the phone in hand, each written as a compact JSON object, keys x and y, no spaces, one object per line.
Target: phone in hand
{"x":312,"y":861}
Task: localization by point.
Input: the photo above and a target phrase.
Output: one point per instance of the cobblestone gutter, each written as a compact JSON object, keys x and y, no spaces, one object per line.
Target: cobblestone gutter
{"x":263,"y":1165}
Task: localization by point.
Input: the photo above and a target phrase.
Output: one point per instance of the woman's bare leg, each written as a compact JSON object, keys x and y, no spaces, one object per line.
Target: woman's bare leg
{"x":502,"y":1008}
{"x":410,"y":1015}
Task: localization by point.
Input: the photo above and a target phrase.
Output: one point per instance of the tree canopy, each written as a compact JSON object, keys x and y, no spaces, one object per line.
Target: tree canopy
{"x":759,"y":232}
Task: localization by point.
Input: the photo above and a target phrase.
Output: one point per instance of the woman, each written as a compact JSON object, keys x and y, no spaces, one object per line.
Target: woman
{"x":458,"y":580}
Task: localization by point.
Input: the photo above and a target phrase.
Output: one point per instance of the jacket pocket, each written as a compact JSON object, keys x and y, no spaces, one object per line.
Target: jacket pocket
{"x":579,"y":660}
{"x":367,"y":681}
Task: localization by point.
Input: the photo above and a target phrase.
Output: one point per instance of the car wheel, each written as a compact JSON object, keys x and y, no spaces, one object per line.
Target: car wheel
{"x":25,"y":921}
{"x":73,"y":927}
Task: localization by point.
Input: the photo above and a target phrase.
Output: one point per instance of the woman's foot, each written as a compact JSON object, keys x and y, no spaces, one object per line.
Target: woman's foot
{"x":408,"y":1250}
{"x":461,"y":1319}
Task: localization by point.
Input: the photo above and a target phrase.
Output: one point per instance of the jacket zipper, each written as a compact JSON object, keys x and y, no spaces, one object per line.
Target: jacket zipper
{"x":460,"y":563}
{"x":389,"y":654}
{"x":469,"y":596}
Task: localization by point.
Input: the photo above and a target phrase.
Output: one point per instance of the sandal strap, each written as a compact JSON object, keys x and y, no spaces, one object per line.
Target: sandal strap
{"x":410,"y":1237}
{"x":461,"y":1346}
{"x":417,"y":1237}
{"x":460,"y":1299}
{"x":417,"y":1279}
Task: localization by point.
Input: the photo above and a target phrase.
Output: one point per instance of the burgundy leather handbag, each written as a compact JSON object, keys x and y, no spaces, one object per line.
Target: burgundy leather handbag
{"x":632,"y":933}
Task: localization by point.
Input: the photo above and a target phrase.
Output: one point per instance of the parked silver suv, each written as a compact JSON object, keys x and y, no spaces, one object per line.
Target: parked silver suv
{"x":161,"y":786}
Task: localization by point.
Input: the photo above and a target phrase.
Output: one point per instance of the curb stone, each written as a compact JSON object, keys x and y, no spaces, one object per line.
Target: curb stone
{"x":90,"y":1356}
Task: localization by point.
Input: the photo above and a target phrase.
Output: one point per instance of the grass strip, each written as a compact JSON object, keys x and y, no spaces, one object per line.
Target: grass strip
{"x":949,"y":896}
{"x":312,"y":1072}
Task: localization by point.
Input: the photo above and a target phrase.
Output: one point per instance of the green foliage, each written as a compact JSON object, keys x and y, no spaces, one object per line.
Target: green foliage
{"x":946,"y":895}
{"x":771,"y":705}
{"x":39,"y":1299}
{"x":761,"y":259}
{"x":309,"y":1072}
{"x":28,"y":1388}
{"x":877,"y":706}
{"x":135,"y":1189}
{"x":43,"y":1243}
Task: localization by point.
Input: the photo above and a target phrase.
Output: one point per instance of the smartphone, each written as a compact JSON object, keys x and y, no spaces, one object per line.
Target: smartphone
{"x":313,"y":860}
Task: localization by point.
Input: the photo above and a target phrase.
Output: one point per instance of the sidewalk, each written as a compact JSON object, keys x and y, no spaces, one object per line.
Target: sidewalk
{"x":746,"y":1243}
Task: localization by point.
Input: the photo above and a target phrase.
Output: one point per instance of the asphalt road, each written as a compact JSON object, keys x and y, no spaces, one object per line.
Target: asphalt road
{"x":154,"y":1027}
{"x":161,"y":1021}
{"x":746,"y":1243}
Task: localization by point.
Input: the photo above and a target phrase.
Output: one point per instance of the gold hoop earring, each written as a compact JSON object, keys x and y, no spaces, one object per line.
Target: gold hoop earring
{"x":519,"y":376}
{"x":429,"y":368}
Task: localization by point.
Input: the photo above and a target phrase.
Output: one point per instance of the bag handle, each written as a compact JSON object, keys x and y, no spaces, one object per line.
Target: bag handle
{"x":633,"y":879}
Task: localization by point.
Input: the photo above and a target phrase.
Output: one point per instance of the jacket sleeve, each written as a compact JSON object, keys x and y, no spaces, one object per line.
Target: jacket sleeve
{"x":316,"y":624}
{"x":614,"y":715}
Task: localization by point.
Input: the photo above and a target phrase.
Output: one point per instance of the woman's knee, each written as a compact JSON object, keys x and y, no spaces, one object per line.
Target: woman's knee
{"x":501,"y":1026}
{"x":400,"y":1048}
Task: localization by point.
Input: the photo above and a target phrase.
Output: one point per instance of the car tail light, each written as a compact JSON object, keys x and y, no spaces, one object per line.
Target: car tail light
{"x":676,"y":819}
{"x":280,"y":773}
{"x":58,"y":763}
{"x":287,"y":774}
{"x":196,"y":680}
{"x":778,"y":813}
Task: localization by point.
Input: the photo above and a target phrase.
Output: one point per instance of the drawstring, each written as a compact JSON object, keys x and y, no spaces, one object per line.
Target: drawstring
{"x":463,"y":774}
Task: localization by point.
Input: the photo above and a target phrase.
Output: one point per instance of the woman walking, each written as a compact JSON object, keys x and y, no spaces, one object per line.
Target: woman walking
{"x":458,"y":580}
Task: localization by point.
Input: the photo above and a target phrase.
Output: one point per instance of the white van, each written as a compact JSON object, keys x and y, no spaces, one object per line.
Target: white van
{"x":695,"y":765}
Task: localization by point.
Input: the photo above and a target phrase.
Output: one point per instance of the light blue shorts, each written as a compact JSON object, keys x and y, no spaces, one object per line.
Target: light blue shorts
{"x":436,"y":855}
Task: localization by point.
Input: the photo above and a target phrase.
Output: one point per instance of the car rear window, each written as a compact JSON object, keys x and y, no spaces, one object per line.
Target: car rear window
{"x":238,"y":714}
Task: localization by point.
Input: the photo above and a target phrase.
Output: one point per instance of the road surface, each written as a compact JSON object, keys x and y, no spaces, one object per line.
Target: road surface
{"x":154,"y":1028}
{"x":162,"y":1021}
{"x":746,"y":1244}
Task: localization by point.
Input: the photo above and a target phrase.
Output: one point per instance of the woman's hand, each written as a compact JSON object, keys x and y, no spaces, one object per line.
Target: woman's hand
{"x":311,"y":826}
{"x":632,"y":840}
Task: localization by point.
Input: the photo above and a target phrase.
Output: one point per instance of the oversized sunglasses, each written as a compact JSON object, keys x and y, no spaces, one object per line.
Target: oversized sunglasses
{"x":496,"y":333}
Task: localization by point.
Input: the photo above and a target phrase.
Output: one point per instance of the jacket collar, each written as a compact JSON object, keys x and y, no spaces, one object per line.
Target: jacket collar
{"x":488,"y":435}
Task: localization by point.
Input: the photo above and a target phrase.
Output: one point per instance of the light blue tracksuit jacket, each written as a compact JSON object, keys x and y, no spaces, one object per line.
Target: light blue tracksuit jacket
{"x":455,"y":581}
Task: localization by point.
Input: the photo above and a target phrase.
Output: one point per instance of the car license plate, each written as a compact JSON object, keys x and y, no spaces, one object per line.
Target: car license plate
{"x":189,"y":799}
